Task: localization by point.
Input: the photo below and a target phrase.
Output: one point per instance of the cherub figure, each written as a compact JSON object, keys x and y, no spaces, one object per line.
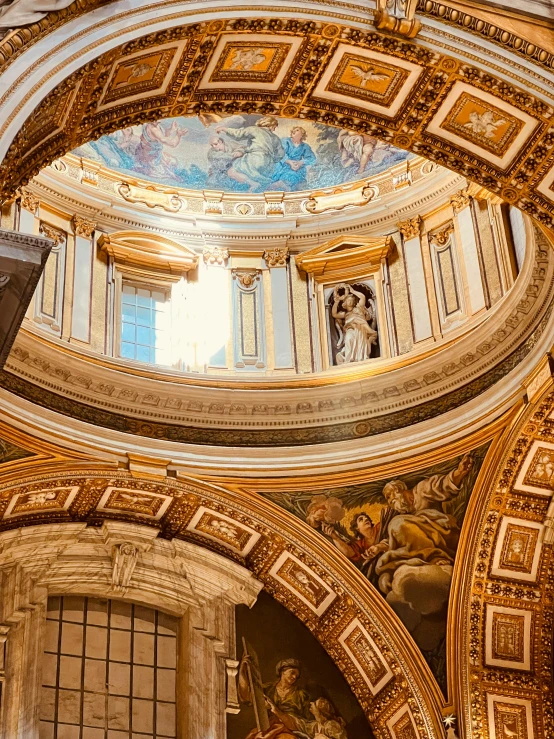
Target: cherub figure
{"x":483,"y":124}
{"x":247,"y":59}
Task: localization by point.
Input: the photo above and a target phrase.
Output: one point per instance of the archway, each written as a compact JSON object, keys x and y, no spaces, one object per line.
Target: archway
{"x":366,"y":641}
{"x":432,"y":103}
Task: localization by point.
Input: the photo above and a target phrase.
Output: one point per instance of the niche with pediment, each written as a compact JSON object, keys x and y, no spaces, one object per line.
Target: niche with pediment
{"x":348,"y":276}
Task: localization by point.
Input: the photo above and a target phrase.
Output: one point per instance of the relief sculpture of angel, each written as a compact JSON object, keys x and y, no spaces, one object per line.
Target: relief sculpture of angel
{"x":356,"y":324}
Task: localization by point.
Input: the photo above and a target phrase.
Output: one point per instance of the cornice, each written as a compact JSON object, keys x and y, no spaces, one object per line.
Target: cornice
{"x":372,"y":219}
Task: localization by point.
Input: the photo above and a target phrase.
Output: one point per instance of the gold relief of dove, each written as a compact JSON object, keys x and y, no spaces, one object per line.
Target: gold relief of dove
{"x":137,"y":70}
{"x":368,"y":75}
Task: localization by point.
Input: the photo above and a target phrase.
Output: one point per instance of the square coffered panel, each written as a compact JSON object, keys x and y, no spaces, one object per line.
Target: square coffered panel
{"x":142,"y":74}
{"x":482,"y":124}
{"x":537,"y":471}
{"x":256,"y":61}
{"x":370,"y":80}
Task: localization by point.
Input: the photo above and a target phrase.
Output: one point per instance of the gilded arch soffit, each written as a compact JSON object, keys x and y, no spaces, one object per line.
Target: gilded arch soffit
{"x":385,"y":672}
{"x":458,"y":114}
{"x":505,"y":587}
{"x":273,"y":544}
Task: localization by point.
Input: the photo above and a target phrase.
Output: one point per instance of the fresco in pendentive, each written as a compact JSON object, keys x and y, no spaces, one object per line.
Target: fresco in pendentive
{"x":304,"y":694}
{"x":402,"y":533}
{"x":242,"y":153}
{"x":10,"y":452}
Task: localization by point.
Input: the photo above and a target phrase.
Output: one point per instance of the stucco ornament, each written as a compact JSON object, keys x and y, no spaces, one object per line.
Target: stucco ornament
{"x":354,"y":316}
{"x":23,"y":12}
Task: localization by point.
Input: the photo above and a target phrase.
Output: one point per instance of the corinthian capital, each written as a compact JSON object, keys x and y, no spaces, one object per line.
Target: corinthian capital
{"x":410,"y":228}
{"x":460,"y":200}
{"x":83,"y":227}
{"x":28,"y":201}
{"x":276,"y":257}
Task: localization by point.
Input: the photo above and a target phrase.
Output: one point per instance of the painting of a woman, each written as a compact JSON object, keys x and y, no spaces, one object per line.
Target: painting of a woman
{"x":290,"y":173}
{"x":284,"y":697}
{"x":324,"y":724}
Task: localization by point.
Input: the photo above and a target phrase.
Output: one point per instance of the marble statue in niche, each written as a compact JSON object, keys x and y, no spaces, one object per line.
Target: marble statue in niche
{"x":288,"y":687}
{"x":353,"y":323}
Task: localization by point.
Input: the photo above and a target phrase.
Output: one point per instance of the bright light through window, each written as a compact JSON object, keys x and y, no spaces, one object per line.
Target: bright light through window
{"x":144,"y":325}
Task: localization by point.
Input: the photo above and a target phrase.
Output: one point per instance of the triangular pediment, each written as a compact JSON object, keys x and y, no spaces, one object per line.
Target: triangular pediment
{"x":343,"y":253}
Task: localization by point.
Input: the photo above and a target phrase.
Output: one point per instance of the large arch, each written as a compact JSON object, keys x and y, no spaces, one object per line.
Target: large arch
{"x":350,"y":619}
{"x":57,"y":75}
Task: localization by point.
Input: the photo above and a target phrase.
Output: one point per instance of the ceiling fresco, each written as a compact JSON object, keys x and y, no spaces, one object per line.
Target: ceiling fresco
{"x":402,"y":534}
{"x":10,"y":452}
{"x":242,"y":153}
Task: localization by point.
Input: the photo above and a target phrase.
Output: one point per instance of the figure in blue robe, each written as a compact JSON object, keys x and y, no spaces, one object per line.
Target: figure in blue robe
{"x":291,"y":172}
